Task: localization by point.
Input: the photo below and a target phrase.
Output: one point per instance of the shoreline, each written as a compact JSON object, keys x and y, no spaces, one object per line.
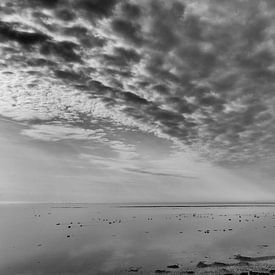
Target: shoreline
{"x":245,"y":265}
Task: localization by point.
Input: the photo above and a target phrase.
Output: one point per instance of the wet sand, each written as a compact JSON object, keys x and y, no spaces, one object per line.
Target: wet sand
{"x":139,"y":239}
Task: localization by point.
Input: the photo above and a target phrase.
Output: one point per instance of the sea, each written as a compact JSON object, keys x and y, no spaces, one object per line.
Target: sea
{"x":74,"y":238}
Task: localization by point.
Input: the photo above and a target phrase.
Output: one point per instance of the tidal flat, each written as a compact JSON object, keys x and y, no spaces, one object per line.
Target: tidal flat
{"x":137,"y":239}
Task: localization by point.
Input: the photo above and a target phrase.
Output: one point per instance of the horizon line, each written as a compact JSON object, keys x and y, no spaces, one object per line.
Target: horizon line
{"x":146,"y":203}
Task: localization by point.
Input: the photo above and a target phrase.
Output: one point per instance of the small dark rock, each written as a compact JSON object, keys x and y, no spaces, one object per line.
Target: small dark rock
{"x":220,"y":264}
{"x":202,"y":265}
{"x":173,"y":266}
{"x":161,"y":271}
{"x":134,"y":269}
{"x":243,"y":263}
{"x":258,"y":273}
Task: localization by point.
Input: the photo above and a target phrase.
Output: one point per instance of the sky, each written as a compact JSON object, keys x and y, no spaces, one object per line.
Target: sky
{"x":137,"y":100}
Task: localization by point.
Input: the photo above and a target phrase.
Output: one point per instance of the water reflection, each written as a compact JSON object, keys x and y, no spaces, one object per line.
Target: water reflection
{"x":106,"y":239}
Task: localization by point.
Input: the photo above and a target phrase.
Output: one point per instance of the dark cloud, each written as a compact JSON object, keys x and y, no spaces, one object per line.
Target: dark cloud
{"x":159,"y":114}
{"x":133,"y":98}
{"x":85,"y":37}
{"x":130,"y":31}
{"x":95,"y":8}
{"x":156,"y":66}
{"x":41,"y":62}
{"x":141,"y":171}
{"x":193,"y":28}
{"x":63,"y":49}
{"x":8,"y":32}
{"x":131,"y":10}
{"x":76,"y":31}
{"x":44,"y":3}
{"x":128,"y":54}
{"x":69,"y":76}
{"x":118,"y":73}
{"x":165,"y":22}
{"x":161,"y":88}
{"x":113,"y":95}
{"x":122,"y":57}
{"x":65,"y":14}
{"x":181,"y":105}
{"x":202,"y":62}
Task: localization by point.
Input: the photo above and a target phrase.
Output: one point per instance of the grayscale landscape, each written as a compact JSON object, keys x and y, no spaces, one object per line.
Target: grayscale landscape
{"x":137,"y":136}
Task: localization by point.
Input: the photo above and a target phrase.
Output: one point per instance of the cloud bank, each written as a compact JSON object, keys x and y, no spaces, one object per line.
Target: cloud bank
{"x":199,"y":74}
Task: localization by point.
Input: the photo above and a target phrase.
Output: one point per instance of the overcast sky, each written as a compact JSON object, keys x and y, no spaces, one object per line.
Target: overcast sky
{"x":137,"y":100}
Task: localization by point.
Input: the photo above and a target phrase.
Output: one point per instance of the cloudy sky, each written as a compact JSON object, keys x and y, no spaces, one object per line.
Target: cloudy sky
{"x":137,"y":100}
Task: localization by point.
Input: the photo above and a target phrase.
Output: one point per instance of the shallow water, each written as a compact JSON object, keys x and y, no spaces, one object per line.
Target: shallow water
{"x":109,"y":239}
